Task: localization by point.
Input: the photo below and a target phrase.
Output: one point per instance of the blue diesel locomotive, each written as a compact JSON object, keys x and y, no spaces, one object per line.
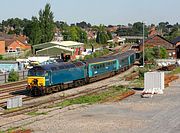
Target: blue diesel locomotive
{"x":59,"y":76}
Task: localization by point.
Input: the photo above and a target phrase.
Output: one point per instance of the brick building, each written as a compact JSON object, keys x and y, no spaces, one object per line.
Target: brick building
{"x":13,"y":43}
{"x":15,"y":46}
{"x":158,"y":40}
{"x":2,"y":46}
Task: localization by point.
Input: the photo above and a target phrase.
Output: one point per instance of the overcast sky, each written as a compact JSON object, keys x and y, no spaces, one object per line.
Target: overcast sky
{"x":96,"y":11}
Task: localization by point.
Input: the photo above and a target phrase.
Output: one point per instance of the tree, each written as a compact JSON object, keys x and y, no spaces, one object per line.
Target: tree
{"x":46,"y":23}
{"x":160,"y":52}
{"x":13,"y":76}
{"x":35,"y":34}
{"x":83,"y":25}
{"x":102,"y":35}
{"x":149,"y":54}
{"x":157,"y":52}
{"x":27,"y":27}
{"x":109,"y":35}
{"x":163,"y":53}
{"x":74,"y":33}
{"x":61,"y":25}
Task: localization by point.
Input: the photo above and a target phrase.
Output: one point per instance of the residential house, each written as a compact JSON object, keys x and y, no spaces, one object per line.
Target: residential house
{"x":2,"y":46}
{"x":118,"y":40}
{"x":15,"y":45}
{"x":158,"y":40}
{"x":112,"y":28}
{"x":91,"y":35}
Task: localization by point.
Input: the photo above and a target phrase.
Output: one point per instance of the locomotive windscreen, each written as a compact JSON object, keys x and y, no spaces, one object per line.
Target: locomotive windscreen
{"x":36,"y":72}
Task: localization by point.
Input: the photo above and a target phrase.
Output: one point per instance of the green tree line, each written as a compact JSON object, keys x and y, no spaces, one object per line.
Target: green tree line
{"x":41,"y":29}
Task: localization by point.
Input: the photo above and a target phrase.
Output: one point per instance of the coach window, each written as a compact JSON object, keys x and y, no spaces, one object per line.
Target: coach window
{"x":97,"y":66}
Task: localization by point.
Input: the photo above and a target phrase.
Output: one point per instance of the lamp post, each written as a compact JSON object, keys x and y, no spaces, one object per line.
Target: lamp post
{"x":143,"y":44}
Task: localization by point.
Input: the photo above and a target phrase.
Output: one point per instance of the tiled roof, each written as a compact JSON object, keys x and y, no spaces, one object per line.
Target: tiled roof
{"x":9,"y":42}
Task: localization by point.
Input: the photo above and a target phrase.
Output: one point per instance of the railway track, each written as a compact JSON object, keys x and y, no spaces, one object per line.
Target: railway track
{"x":12,"y":84}
{"x":3,"y":104}
{"x":49,"y":100}
{"x":9,"y":90}
{"x":13,"y":89}
{"x":45,"y":103}
{"x":26,"y":98}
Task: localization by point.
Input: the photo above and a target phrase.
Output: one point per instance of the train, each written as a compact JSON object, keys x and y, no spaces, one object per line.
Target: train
{"x":46,"y":79}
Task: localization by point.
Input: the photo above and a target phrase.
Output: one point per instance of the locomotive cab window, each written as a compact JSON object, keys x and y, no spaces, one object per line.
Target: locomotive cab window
{"x":46,"y":74}
{"x":34,"y":72}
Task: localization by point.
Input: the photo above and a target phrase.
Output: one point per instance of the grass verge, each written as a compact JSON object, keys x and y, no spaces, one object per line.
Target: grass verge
{"x":175,"y":71}
{"x":94,"y":98}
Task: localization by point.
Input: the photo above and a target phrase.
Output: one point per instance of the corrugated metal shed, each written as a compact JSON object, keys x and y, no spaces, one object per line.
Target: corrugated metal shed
{"x":65,"y":44}
{"x":68,"y":43}
{"x":55,"y":50}
{"x":42,"y":46}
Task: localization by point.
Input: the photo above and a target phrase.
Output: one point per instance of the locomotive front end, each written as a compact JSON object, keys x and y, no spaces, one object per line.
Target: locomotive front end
{"x":35,"y":81}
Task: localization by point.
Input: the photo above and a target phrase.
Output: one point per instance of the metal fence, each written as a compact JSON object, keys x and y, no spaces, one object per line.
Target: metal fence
{"x":4,"y":77}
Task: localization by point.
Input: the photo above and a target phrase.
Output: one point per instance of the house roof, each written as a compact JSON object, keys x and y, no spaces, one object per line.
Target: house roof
{"x":9,"y":42}
{"x":149,"y":38}
{"x":22,"y":38}
{"x":176,"y":40}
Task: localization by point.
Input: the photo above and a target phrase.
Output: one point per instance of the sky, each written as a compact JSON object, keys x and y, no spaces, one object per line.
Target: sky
{"x":108,"y":12}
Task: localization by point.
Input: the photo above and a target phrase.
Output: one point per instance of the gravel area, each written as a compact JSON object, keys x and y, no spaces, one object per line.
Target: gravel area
{"x":132,"y":115}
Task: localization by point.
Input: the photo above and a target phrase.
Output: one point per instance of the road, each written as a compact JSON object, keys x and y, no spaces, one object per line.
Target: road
{"x":133,"y":115}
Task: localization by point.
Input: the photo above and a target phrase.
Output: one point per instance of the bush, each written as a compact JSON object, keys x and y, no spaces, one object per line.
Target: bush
{"x":13,"y":76}
{"x":105,"y":51}
{"x":1,"y":57}
{"x":88,"y":57}
{"x":141,"y":72}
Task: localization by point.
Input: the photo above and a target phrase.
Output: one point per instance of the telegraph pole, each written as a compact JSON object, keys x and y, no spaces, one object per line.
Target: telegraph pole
{"x":143,"y":44}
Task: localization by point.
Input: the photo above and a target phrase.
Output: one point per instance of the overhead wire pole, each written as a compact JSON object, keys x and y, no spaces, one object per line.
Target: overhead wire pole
{"x":143,"y":44}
